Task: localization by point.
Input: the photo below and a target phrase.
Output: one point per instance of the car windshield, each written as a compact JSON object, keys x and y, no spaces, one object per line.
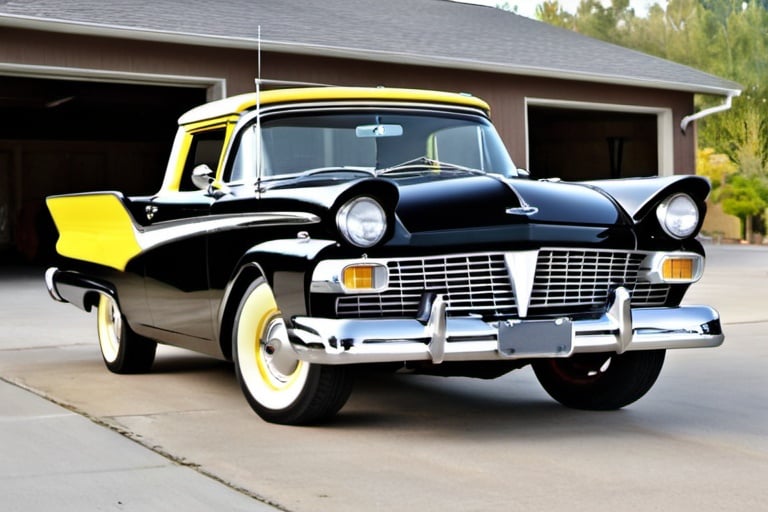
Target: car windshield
{"x":372,"y":141}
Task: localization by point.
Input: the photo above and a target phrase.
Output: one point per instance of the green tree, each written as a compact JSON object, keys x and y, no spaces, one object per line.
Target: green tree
{"x":552,"y":13}
{"x":741,"y":134}
{"x":745,"y":197}
{"x":715,"y":166}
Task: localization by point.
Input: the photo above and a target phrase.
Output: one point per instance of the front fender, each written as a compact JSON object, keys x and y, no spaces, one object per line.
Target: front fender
{"x":639,"y":196}
{"x":286,"y":265}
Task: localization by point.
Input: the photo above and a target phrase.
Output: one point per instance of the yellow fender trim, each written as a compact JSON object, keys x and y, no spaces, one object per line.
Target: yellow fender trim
{"x":95,"y":227}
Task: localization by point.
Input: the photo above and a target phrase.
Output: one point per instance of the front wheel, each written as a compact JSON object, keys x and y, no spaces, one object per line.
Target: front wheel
{"x":600,"y":382}
{"x":123,"y":350}
{"x":278,"y":386}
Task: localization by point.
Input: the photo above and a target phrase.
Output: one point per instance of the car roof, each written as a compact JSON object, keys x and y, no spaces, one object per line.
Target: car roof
{"x":238,"y":104}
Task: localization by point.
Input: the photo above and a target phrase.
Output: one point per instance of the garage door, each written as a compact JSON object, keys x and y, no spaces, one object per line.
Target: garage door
{"x":63,"y":136}
{"x":580,"y":144}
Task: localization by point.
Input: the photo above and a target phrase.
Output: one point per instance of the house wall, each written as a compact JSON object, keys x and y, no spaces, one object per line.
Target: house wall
{"x":152,"y":61}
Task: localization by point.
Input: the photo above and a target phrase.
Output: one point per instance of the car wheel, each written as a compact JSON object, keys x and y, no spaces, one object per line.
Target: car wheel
{"x":278,"y":386}
{"x":123,"y":350}
{"x":600,"y":382}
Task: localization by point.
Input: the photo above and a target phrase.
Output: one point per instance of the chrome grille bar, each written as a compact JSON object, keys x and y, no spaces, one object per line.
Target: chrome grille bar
{"x":568,"y":280}
{"x":579,"y":278}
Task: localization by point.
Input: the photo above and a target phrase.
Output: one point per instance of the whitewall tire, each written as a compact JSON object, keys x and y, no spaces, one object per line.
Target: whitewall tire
{"x":123,"y":350}
{"x":278,"y":386}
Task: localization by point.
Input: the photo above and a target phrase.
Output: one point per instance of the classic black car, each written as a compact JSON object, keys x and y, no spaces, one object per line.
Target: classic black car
{"x":304,"y":233}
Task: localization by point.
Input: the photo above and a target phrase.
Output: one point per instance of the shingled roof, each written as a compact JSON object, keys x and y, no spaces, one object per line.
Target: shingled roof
{"x":419,"y":32}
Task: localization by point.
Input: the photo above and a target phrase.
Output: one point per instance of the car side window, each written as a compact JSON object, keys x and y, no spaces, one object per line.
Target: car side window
{"x":244,"y":166}
{"x":206,"y":149}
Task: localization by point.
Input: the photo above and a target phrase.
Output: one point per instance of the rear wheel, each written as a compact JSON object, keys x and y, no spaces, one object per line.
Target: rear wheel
{"x":123,"y":350}
{"x":600,"y":381}
{"x":278,"y":386}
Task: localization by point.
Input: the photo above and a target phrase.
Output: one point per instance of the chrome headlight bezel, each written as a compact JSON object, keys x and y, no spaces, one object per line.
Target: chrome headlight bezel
{"x":362,"y":222}
{"x":678,"y":216}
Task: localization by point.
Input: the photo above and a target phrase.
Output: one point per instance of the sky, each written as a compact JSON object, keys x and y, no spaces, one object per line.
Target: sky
{"x":528,"y":7}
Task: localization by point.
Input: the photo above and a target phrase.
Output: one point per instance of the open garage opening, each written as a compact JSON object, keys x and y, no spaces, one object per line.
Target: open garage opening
{"x":581,"y":144}
{"x":64,"y":136}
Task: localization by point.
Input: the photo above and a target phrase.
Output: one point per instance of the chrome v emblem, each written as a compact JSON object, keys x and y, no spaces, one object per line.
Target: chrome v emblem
{"x":522,"y":210}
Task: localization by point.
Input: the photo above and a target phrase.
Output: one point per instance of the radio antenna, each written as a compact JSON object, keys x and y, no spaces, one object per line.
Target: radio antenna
{"x":259,"y":156}
{"x":258,"y":63}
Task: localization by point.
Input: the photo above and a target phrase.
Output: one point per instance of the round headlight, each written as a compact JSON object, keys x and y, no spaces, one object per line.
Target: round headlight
{"x":362,"y":222}
{"x":678,"y":216}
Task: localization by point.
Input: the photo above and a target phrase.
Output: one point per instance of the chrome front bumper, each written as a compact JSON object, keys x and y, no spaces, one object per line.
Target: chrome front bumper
{"x":442,"y":338}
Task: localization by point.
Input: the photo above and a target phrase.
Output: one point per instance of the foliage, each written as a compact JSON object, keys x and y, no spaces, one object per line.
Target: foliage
{"x":747,"y":198}
{"x":743,"y":196}
{"x":728,"y":38}
{"x":715,"y":166}
{"x":553,"y":14}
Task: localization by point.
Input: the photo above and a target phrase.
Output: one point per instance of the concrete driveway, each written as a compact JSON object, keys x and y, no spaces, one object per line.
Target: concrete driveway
{"x":697,"y":441}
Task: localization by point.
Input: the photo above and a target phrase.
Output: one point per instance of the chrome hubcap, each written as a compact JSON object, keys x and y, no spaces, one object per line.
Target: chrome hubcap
{"x":276,"y":351}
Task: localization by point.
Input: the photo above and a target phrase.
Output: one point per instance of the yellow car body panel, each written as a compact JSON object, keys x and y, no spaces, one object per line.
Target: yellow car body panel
{"x":243,"y":102}
{"x":95,"y":228}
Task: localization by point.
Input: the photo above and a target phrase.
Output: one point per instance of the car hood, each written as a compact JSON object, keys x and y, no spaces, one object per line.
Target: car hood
{"x":430,"y":203}
{"x":487,"y":208}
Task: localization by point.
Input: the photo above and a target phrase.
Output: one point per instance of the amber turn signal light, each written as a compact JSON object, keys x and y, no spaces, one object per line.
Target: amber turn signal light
{"x":676,"y":269}
{"x":359,"y":277}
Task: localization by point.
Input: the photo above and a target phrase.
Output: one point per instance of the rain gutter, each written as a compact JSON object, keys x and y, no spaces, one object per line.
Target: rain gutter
{"x":709,"y":111}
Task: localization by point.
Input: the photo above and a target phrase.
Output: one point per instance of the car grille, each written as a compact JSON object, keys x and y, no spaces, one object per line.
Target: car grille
{"x":566,"y":282}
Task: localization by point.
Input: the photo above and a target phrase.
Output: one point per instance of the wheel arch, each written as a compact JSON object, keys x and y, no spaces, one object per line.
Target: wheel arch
{"x":245,"y":276}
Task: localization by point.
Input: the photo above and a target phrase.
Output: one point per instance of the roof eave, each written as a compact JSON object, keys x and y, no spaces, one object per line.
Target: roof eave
{"x":122,"y":32}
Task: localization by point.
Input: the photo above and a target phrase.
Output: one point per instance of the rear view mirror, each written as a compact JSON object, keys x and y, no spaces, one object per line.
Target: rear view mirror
{"x":378,"y":130}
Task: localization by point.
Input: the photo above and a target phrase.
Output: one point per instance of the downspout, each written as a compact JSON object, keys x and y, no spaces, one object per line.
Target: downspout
{"x":709,"y":111}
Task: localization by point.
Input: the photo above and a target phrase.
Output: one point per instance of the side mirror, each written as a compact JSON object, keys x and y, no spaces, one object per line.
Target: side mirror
{"x":202,"y":176}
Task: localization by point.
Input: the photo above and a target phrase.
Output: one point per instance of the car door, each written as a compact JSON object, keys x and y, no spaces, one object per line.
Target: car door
{"x":176,"y":226}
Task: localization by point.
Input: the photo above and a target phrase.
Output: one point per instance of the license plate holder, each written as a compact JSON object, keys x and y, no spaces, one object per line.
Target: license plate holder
{"x":536,"y":338}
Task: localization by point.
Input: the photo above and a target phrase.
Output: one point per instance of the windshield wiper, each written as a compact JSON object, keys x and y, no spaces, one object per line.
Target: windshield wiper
{"x":322,"y":170}
{"x":422,"y":162}
{"x":337,"y":168}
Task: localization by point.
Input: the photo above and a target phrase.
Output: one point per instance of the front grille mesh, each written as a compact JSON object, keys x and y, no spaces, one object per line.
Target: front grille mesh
{"x":580,"y":278}
{"x":566,"y":281}
{"x":472,"y":283}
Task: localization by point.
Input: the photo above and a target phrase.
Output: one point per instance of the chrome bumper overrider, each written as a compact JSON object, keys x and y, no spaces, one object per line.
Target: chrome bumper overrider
{"x":442,"y":338}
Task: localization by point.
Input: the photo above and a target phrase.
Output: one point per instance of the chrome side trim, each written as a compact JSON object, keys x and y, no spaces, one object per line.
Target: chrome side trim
{"x":168,"y":231}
